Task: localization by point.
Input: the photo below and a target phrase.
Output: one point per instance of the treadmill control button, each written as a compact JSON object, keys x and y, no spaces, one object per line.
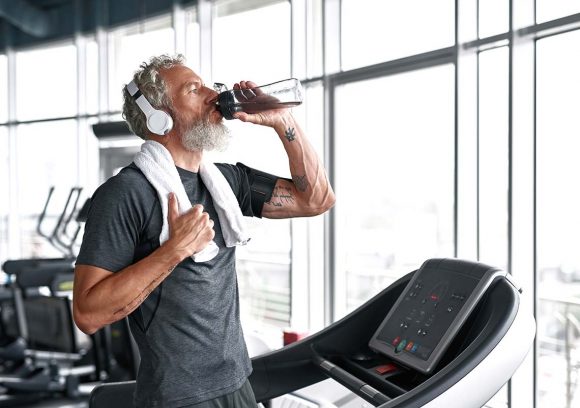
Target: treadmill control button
{"x":457,"y":296}
{"x":401,"y":346}
{"x":409,"y":346}
{"x":385,"y":368}
{"x":415,"y":347}
{"x":396,"y":341}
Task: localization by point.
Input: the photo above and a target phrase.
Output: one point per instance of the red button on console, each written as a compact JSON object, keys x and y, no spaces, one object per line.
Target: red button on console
{"x":386,"y":368}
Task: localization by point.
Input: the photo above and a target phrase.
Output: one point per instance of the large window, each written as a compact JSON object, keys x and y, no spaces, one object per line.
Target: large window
{"x":493,"y":17}
{"x":264,"y":264}
{"x":308,"y":233}
{"x":47,"y":156}
{"x":493,"y":165}
{"x":192,"y":44}
{"x":373,"y":31}
{"x":558,"y":220}
{"x":4,"y":186}
{"x":92,"y":77}
{"x":3,"y":88}
{"x":395,"y":178}
{"x":314,"y":37}
{"x":131,"y":46}
{"x":552,"y":9}
{"x":46,"y":83}
{"x":264,"y":32}
{"x":493,"y":157}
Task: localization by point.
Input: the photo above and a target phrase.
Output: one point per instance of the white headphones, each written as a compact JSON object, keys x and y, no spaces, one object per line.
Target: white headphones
{"x":158,"y":121}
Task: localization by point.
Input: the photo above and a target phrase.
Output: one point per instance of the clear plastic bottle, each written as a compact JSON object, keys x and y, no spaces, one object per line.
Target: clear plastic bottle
{"x":278,"y":95}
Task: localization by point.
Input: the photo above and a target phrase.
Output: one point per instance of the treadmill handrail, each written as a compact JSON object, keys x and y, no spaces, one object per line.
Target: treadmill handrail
{"x":352,"y":382}
{"x":43,"y":214}
{"x":61,"y":224}
{"x":53,"y":238}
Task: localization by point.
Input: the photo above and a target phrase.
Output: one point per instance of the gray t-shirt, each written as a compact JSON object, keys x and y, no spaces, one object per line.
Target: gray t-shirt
{"x":188,"y":330}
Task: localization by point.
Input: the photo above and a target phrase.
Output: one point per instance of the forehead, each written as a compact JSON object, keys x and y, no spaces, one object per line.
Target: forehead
{"x":179,"y":75}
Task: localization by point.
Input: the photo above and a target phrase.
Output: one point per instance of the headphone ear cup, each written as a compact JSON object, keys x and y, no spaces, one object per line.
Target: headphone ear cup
{"x":159,"y":122}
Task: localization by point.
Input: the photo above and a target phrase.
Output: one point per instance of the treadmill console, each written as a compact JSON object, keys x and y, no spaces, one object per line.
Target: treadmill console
{"x":426,"y":317}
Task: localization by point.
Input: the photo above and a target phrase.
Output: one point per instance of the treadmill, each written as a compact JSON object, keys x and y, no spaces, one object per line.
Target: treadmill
{"x":449,"y":334}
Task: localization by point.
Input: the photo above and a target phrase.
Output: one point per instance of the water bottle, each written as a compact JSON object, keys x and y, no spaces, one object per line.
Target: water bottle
{"x":278,"y":95}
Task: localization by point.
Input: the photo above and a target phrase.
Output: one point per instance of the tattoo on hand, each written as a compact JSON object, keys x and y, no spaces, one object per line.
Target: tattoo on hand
{"x":300,"y":182}
{"x":290,"y":134}
{"x":281,"y":196}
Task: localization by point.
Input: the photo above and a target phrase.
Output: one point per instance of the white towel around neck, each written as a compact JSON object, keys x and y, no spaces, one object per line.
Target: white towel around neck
{"x":156,"y":163}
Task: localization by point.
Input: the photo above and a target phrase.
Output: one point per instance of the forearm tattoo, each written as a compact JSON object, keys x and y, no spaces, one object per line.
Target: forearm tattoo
{"x":134,"y":304}
{"x":300,"y":182}
{"x":290,"y":134}
{"x":281,"y":196}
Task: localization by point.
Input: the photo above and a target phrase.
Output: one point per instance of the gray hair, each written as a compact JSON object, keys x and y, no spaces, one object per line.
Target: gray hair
{"x":153,"y":87}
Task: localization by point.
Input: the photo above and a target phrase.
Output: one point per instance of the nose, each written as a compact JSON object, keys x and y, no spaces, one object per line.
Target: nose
{"x":212,"y":95}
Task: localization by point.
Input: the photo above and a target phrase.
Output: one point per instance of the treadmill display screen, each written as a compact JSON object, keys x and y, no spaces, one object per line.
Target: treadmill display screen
{"x":428,"y":314}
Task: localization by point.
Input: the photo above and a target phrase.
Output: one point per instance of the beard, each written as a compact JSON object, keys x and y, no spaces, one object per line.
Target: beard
{"x":204,"y":135}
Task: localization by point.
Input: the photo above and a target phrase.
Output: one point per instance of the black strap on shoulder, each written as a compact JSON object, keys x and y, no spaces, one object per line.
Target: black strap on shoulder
{"x":261,"y":185}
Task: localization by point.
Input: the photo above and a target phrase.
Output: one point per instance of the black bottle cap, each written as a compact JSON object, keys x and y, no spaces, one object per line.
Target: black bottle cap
{"x":226,"y":104}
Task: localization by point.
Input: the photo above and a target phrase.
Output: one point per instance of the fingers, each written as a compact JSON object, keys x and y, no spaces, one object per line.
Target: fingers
{"x":248,"y":84}
{"x":202,"y":232}
{"x":257,"y":91}
{"x":194,"y":215}
{"x":197,"y":209}
{"x":243,"y":116}
{"x":197,"y":218}
{"x":248,"y":93}
{"x":173,"y":209}
{"x":244,"y":90}
{"x":191,"y":231}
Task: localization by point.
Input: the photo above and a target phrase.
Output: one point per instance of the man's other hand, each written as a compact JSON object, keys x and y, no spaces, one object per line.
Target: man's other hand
{"x":190,"y":232}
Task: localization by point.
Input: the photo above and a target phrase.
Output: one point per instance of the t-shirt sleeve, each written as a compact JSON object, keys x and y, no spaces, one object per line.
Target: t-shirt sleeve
{"x":251,"y":187}
{"x":117,"y":215}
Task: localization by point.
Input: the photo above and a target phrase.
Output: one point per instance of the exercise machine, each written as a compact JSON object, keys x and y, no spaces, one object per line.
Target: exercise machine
{"x":450,"y":334}
{"x":48,"y":355}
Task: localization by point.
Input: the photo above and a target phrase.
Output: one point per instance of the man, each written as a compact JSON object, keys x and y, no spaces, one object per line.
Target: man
{"x":184,"y":315}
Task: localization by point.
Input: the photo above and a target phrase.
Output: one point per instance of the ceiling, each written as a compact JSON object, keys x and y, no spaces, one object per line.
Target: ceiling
{"x":26,"y":23}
